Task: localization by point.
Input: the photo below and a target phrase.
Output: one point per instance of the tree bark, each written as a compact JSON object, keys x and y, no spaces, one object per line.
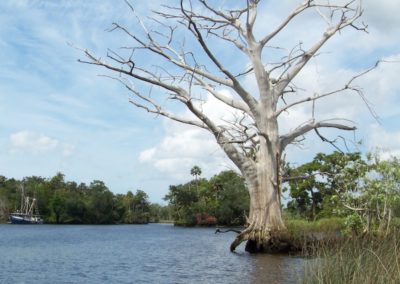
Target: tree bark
{"x":264,"y":225}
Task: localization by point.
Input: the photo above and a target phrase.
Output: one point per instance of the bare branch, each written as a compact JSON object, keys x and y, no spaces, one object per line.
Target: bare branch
{"x":155,"y":108}
{"x":306,"y":4}
{"x":347,"y":86}
{"x":290,"y":137}
{"x":291,"y":178}
{"x":332,"y":142}
{"x":225,"y":99}
{"x":353,"y":208}
{"x":97,"y":61}
{"x":247,"y":98}
{"x":251,"y":19}
{"x":156,"y":48}
{"x":311,"y":52}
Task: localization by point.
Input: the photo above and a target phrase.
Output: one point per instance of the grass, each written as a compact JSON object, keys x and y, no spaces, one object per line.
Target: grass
{"x":337,"y":258}
{"x":364,"y":260}
{"x":327,"y":227}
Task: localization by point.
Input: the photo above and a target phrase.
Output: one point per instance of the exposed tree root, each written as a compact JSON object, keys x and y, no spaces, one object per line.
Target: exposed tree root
{"x":228,"y":230}
{"x":243,"y":236}
{"x":264,"y":241}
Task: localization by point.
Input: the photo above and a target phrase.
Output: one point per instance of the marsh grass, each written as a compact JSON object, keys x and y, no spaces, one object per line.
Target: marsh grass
{"x":304,"y":235}
{"x":327,"y":227}
{"x":371,"y":259}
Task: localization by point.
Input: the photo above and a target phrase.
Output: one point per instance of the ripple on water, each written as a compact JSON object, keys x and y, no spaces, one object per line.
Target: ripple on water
{"x":153,"y":253}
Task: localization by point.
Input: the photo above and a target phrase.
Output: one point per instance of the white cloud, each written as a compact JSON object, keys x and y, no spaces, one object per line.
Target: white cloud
{"x":382,"y":140}
{"x":383,"y":14}
{"x":185,"y":146}
{"x":31,"y":142}
{"x":36,"y":143}
{"x":147,"y":155}
{"x":182,"y":148}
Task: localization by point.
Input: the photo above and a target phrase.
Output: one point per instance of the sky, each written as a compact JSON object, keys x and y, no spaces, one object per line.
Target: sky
{"x":58,"y":115}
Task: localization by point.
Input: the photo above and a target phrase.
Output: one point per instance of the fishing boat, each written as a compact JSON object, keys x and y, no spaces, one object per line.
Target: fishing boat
{"x":28,"y":212}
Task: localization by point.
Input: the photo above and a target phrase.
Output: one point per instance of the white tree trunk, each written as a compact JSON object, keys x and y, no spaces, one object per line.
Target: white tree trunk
{"x":263,"y":180}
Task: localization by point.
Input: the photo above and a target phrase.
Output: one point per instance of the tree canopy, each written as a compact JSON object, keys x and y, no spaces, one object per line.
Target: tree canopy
{"x":64,"y":202}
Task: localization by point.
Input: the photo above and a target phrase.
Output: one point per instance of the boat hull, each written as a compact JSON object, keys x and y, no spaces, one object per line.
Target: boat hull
{"x":25,"y":219}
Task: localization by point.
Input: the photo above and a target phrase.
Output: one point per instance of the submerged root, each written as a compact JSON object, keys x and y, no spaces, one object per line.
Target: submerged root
{"x":226,"y":231}
{"x":265,"y":241}
{"x":243,"y":236}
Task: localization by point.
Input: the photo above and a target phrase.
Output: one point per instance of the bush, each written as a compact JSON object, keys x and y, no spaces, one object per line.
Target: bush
{"x":204,"y":219}
{"x":353,"y":225}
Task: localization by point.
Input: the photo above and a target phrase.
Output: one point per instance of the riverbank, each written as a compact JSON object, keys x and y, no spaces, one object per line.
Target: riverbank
{"x":366,"y":259}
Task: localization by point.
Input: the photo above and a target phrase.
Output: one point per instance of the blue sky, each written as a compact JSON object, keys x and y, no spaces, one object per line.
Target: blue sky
{"x":58,"y":115}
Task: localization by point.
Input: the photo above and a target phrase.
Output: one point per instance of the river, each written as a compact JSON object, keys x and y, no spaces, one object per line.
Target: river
{"x":154,"y":253}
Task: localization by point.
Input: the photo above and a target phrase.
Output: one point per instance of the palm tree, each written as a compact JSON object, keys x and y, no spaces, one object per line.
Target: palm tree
{"x":196,"y":172}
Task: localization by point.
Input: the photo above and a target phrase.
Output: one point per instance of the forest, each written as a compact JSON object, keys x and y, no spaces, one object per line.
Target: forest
{"x":363,"y":194}
{"x":359,"y":195}
{"x":65,"y":202}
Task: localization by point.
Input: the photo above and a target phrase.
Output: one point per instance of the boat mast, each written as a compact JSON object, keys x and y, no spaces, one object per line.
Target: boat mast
{"x":32,"y":204}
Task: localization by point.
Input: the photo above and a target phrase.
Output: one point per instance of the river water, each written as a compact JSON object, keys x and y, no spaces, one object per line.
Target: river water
{"x":155,"y":253}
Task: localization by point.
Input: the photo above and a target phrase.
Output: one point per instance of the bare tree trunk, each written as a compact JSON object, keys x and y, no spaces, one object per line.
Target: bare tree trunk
{"x":265,"y":224}
{"x":265,"y":220}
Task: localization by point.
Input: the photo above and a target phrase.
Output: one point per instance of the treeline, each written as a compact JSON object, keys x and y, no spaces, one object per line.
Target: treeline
{"x":221,"y":200}
{"x":364,"y":193}
{"x":64,"y":202}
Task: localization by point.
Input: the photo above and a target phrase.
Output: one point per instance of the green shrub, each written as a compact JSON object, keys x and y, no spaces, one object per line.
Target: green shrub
{"x":353,"y":224}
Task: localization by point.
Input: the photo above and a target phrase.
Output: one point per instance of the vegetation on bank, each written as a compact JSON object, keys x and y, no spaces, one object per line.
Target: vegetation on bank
{"x":364,"y":259}
{"x":221,"y":200}
{"x":348,"y":215}
{"x":343,"y":192}
{"x":64,"y":202}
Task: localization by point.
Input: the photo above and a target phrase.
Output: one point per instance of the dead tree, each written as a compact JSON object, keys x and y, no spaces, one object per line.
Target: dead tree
{"x":189,"y":68}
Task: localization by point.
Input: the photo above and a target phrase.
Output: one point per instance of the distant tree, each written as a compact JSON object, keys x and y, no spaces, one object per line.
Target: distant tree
{"x":182,"y":198}
{"x":195,"y":171}
{"x":141,"y":207}
{"x":232,"y":197}
{"x":159,"y":213}
{"x":314,"y":186}
{"x":4,"y":202}
{"x":66,"y":202}
{"x":58,"y":207}
{"x":377,"y":195}
{"x":120,"y":208}
{"x":99,"y":204}
{"x":221,"y":200}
